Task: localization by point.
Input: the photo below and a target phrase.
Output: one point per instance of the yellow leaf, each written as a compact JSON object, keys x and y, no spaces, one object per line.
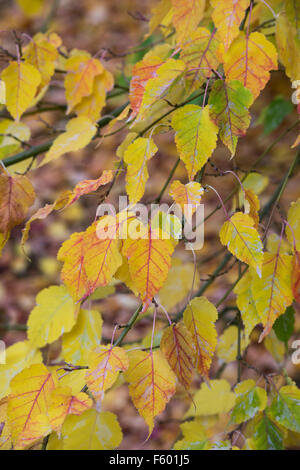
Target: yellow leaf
{"x":136,"y":157}
{"x":123,"y":275}
{"x":5,"y":436}
{"x":293,"y":229}
{"x":2,"y":92}
{"x":275,"y":347}
{"x":245,"y":303}
{"x":21,"y":83}
{"x":160,"y":13}
{"x":149,"y":261}
{"x":105,"y":363}
{"x":84,"y":336}
{"x":186,"y":194}
{"x":159,"y":85}
{"x":212,"y":399}
{"x":178,"y":284}
{"x":18,"y":356}
{"x":63,"y":403}
{"x":186,"y":17}
{"x":200,"y":317}
{"x":54,"y":314}
{"x":14,"y":134}
{"x":196,"y":136}
{"x":28,"y":405}
{"x":90,"y":431}
{"x":288,"y":46}
{"x":250,"y":60}
{"x":92,"y":105}
{"x":272,"y":293}
{"x":16,"y":196}
{"x":242,"y":240}
{"x":151,"y":383}
{"x":228,"y":344}
{"x":227,"y":17}
{"x":42,"y":54}
{"x":81,"y":72}
{"x":199,"y":53}
{"x":177,"y":346}
{"x":79,"y":132}
{"x":252,"y":206}
{"x":31,"y":7}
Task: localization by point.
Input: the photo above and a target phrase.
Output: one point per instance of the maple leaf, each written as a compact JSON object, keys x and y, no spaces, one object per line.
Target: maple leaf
{"x":249,"y":60}
{"x":199,"y":53}
{"x":149,"y":261}
{"x":229,"y":103}
{"x":16,"y":196}
{"x":105,"y":363}
{"x":196,"y":136}
{"x":272,"y":293}
{"x":42,"y":54}
{"x":81,"y":72}
{"x":199,"y":317}
{"x":136,"y":156}
{"x":186,"y":194}
{"x":89,"y":431}
{"x":63,"y":403}
{"x":177,"y":346}
{"x":21,"y":83}
{"x":187,"y":14}
{"x":151,"y":383}
{"x":79,"y":132}
{"x":227,"y":16}
{"x":28,"y":405}
{"x":242,"y":240}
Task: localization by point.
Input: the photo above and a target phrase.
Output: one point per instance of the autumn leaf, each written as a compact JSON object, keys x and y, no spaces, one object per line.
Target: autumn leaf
{"x":63,"y":403}
{"x":28,"y":405}
{"x":199,"y":54}
{"x":246,"y":304}
{"x":83,"y":337}
{"x":296,"y":277}
{"x":12,"y":135}
{"x":177,"y":346}
{"x":136,"y":157}
{"x":81,"y":72}
{"x":284,"y":409}
{"x":242,"y":240}
{"x":272,"y":293}
{"x":42,"y":54}
{"x":21,"y":83}
{"x":212,"y":399}
{"x":54,"y":314}
{"x":249,"y":60}
{"x":288,"y":43}
{"x":196,"y":136}
{"x":105,"y":363}
{"x":293,"y":226}
{"x":186,"y":195}
{"x":16,"y":196}
{"x":250,"y":399}
{"x":158,"y":87}
{"x":79,"y":132}
{"x":149,"y":261}
{"x":151,"y":383}
{"x":230,"y":102}
{"x":228,"y":344}
{"x":199,"y":317}
{"x":90,"y":431}
{"x":5,"y":435}
{"x":227,"y":17}
{"x":187,"y":14}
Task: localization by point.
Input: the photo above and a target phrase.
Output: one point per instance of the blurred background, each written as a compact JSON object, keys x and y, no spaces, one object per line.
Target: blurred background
{"x":115,"y":29}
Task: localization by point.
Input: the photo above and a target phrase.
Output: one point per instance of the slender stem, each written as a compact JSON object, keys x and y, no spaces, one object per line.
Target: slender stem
{"x":130,"y":324}
{"x":158,"y":199}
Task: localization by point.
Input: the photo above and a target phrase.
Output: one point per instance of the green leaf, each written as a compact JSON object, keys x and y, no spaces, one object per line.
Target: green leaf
{"x":265,"y":434}
{"x":229,"y":103}
{"x":285,"y":408}
{"x":250,"y":400}
{"x":273,"y":114}
{"x":284,"y":325}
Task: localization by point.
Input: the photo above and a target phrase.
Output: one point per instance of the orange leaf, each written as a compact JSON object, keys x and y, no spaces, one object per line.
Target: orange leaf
{"x":177,"y":345}
{"x":186,"y":194}
{"x":149,"y":261}
{"x":151,"y":383}
{"x":16,"y":196}
{"x":186,"y":17}
{"x":105,"y":363}
{"x":63,"y":403}
{"x":227,"y":17}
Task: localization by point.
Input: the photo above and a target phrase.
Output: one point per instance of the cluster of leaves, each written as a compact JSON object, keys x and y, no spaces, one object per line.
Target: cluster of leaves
{"x":198,"y":82}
